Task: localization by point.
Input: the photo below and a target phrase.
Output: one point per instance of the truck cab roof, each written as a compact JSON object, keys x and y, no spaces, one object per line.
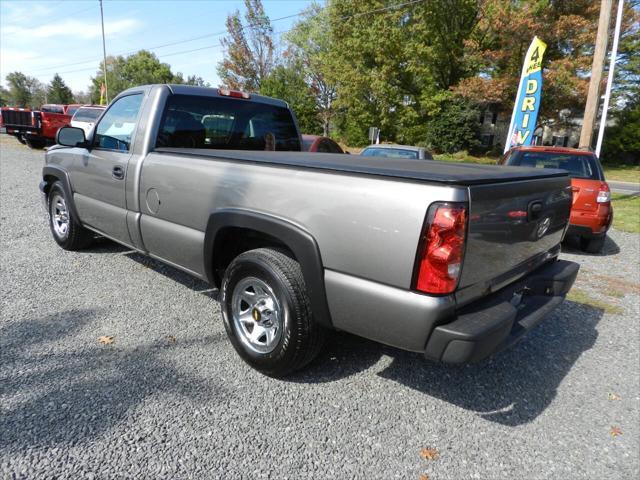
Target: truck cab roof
{"x":180,"y":89}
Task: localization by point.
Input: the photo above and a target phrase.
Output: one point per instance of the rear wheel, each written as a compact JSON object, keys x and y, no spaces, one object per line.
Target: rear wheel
{"x":66,"y":230}
{"x":21,"y":139}
{"x":592,"y":244}
{"x":267,"y":314}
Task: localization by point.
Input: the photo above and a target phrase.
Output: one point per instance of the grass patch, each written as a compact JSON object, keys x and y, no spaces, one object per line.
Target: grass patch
{"x":622,"y":173}
{"x":626,"y":212}
{"x":579,"y":296}
{"x":465,"y":157}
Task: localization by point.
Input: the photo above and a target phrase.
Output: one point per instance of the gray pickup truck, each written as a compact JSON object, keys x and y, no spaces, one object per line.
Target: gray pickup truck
{"x":455,"y":261}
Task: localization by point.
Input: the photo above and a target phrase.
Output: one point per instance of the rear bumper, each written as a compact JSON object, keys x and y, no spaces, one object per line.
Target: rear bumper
{"x":498,"y":321}
{"x":591,"y":224}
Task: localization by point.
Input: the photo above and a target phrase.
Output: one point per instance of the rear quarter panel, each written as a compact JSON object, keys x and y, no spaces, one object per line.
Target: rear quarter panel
{"x":365,"y":226}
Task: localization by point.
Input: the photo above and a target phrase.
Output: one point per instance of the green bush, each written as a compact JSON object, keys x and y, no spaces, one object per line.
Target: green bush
{"x":622,"y":141}
{"x":453,"y":126}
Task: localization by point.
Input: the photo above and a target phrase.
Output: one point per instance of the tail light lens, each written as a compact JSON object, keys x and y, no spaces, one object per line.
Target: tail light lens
{"x":604,"y":195}
{"x":441,"y":249}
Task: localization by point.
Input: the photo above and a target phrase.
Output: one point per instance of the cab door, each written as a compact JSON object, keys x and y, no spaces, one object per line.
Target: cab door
{"x":98,"y":175}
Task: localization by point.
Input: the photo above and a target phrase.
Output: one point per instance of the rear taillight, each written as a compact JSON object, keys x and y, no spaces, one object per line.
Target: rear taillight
{"x":604,"y":194}
{"x":441,"y":249}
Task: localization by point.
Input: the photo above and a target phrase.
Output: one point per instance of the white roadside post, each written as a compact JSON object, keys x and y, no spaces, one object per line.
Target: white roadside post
{"x":612,"y":67}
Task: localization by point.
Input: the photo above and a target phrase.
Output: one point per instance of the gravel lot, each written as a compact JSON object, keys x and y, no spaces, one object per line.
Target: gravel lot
{"x":149,"y":406}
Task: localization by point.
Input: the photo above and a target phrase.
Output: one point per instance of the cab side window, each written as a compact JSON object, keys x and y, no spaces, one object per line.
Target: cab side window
{"x":117,"y":125}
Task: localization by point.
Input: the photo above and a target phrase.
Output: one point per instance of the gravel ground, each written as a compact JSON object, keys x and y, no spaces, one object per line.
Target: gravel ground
{"x":170,"y":398}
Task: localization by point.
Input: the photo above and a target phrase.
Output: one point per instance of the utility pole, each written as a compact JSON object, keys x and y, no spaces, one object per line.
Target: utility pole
{"x":104,"y":56}
{"x":593,"y":97}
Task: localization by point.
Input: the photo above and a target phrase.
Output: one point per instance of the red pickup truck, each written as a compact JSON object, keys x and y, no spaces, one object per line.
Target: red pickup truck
{"x":36,"y":128}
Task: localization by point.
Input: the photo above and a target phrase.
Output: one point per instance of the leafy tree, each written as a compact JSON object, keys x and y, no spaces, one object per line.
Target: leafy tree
{"x":626,"y":85}
{"x":4,"y":96}
{"x":622,"y":141}
{"x":288,"y":83}
{"x":141,"y":68}
{"x":387,"y":62}
{"x":248,"y":49}
{"x":453,"y":125}
{"x":20,"y":89}
{"x":25,"y":91}
{"x":309,"y":44}
{"x":58,"y":92}
{"x":496,"y":48}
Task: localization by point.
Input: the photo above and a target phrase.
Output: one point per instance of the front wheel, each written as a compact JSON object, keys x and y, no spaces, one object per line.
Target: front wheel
{"x":267,"y":314}
{"x":66,"y":230}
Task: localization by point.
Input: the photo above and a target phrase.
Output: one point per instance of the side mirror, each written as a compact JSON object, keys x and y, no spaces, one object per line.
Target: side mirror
{"x":71,"y":137}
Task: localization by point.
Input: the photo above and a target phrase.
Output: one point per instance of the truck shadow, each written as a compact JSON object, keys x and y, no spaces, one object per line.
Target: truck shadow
{"x":512,"y":388}
{"x":103,"y":245}
{"x":54,"y":394}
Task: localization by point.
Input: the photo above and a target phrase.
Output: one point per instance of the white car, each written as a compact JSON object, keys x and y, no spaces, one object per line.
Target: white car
{"x":86,"y":117}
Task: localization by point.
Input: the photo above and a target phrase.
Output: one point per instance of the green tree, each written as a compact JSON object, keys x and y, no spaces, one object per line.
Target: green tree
{"x":4,"y":96}
{"x":20,"y":89}
{"x":58,"y":92}
{"x":622,"y":141}
{"x":309,"y":45}
{"x":141,"y":68}
{"x":248,"y":49}
{"x":288,"y":83}
{"x":386,"y":62}
{"x":453,"y":124}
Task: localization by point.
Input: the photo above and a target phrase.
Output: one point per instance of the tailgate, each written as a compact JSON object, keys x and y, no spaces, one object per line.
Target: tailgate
{"x":513,"y":228}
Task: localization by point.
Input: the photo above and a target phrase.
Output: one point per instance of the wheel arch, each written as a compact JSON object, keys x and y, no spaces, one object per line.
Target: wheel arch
{"x":275,"y":232}
{"x":52,"y":174}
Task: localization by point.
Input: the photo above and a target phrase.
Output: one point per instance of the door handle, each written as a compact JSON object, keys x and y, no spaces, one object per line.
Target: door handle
{"x":117,"y":173}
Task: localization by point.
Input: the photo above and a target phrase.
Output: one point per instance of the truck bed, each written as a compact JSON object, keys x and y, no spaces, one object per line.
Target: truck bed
{"x":464,"y":174}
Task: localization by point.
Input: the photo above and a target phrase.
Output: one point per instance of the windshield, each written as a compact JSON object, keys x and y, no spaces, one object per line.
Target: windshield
{"x":191,"y":121}
{"x":389,"y":152}
{"x":578,"y":166}
{"x":87,"y":114}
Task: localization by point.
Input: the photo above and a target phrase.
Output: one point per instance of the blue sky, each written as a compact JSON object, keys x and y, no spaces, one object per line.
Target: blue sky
{"x":40,"y":38}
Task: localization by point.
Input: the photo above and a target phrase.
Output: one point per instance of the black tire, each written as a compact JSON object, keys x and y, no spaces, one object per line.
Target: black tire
{"x":21,"y":139}
{"x":301,"y":338}
{"x":73,"y":236}
{"x":35,"y":143}
{"x":593,"y":244}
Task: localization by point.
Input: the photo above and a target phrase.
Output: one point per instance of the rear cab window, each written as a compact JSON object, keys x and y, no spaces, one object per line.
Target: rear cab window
{"x":85,"y":114}
{"x":578,"y":165}
{"x":191,"y":121}
{"x":390,"y":152}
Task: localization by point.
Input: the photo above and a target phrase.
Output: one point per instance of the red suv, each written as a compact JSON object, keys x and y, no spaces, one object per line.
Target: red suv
{"x":591,"y":211}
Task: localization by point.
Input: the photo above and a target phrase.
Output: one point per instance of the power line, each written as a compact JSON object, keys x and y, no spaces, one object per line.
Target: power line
{"x":179,"y":42}
{"x":346,"y":17}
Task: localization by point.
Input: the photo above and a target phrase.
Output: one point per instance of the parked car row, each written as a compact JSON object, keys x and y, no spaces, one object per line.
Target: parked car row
{"x":38,"y":128}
